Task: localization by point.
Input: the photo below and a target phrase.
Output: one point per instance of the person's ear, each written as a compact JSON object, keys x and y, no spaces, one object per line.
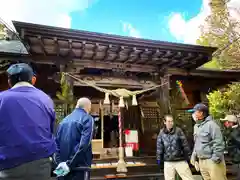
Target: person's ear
{"x":9,"y":83}
{"x":34,"y":79}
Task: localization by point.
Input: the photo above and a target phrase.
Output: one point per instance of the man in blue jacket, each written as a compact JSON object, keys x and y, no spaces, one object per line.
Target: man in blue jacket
{"x":74,"y":136}
{"x":27,"y":118}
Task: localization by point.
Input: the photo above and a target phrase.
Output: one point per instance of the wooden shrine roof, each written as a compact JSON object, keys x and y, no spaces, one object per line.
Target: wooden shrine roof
{"x":233,"y":75}
{"x":47,"y":43}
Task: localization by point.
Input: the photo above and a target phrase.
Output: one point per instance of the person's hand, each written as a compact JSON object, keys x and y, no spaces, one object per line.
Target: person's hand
{"x":192,"y":161}
{"x":62,"y":169}
{"x":158,"y":162}
{"x":196,"y":165}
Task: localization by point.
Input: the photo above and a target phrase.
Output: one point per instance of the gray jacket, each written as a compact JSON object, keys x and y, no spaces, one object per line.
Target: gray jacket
{"x":209,"y":142}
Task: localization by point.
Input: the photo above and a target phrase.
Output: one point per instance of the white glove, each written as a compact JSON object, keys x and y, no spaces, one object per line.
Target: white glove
{"x":192,"y":161}
{"x":62,"y":169}
{"x":196,"y":165}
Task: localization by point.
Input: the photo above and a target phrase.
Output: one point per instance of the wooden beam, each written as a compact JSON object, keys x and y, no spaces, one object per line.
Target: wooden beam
{"x":155,"y":56}
{"x":132,"y":56}
{"x":57,"y":48}
{"x":188,"y":57}
{"x":177,"y":55}
{"x":147,"y":53}
{"x":83,"y":49}
{"x":70,"y":52}
{"x":42,"y":45}
{"x":130,"y":50}
{"x":22,"y":34}
{"x":168,"y":54}
{"x":106,"y":81}
{"x":111,"y":65}
{"x":177,"y":71}
{"x":172,"y":62}
{"x":157,"y":53}
{"x":95,"y":48}
{"x":160,"y":55}
{"x":164,"y":96}
{"x":107,"y":51}
{"x":185,"y":61}
{"x":204,"y":73}
{"x":86,"y":63}
{"x":138,"y":55}
{"x":204,"y":59}
{"x":118,"y":53}
{"x":33,"y":29}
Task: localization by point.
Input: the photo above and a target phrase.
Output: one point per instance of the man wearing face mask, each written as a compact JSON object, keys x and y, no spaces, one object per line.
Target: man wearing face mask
{"x":209,"y":145}
{"x":232,"y":122}
{"x":27,"y":119}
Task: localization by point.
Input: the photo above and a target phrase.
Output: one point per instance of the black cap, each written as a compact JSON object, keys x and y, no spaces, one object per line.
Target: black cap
{"x":20,"y":68}
{"x":199,"y":107}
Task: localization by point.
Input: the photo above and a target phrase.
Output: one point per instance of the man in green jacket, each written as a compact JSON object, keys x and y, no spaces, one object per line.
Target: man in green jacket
{"x":209,"y":145}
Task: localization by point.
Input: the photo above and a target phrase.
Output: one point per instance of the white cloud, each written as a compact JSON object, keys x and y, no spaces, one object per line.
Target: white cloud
{"x":189,"y":31}
{"x":234,"y":7}
{"x":47,"y":12}
{"x":130,"y":30}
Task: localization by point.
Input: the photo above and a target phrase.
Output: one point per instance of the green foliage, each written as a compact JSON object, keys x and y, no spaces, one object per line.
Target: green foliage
{"x":225,"y":101}
{"x":3,"y":64}
{"x":66,"y":95}
{"x":220,"y":30}
{"x":1,"y":27}
{"x":2,"y":31}
{"x":213,"y":64}
{"x":218,"y":104}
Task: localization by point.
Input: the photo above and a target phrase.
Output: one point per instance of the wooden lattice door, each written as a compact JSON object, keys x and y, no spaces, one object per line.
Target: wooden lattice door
{"x":151,"y":124}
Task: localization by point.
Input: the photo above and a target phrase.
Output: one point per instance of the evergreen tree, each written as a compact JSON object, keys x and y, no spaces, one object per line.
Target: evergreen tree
{"x":3,"y":63}
{"x":65,"y":96}
{"x":221,"y":31}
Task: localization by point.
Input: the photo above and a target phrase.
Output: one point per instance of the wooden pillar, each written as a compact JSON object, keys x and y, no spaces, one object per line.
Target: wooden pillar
{"x":68,"y":96}
{"x":164,"y":96}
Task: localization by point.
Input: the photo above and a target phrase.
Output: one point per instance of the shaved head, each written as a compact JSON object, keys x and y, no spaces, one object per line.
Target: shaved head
{"x":84,"y":103}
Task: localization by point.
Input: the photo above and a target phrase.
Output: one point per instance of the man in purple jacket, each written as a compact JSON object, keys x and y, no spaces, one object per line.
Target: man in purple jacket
{"x":26,"y":127}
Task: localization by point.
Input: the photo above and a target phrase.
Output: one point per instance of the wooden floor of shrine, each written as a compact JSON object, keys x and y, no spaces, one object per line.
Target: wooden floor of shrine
{"x":147,"y":169}
{"x":143,"y":168}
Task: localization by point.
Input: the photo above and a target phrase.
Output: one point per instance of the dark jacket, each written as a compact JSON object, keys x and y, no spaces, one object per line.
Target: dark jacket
{"x":172,"y":145}
{"x":73,"y":139}
{"x":234,"y":145}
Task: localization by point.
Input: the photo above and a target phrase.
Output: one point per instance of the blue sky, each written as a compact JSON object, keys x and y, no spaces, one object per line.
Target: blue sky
{"x":149,"y":17}
{"x":166,"y":20}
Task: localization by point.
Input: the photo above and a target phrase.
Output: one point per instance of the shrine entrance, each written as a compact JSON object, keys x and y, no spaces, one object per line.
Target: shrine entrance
{"x":121,"y":67}
{"x":110,"y":128}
